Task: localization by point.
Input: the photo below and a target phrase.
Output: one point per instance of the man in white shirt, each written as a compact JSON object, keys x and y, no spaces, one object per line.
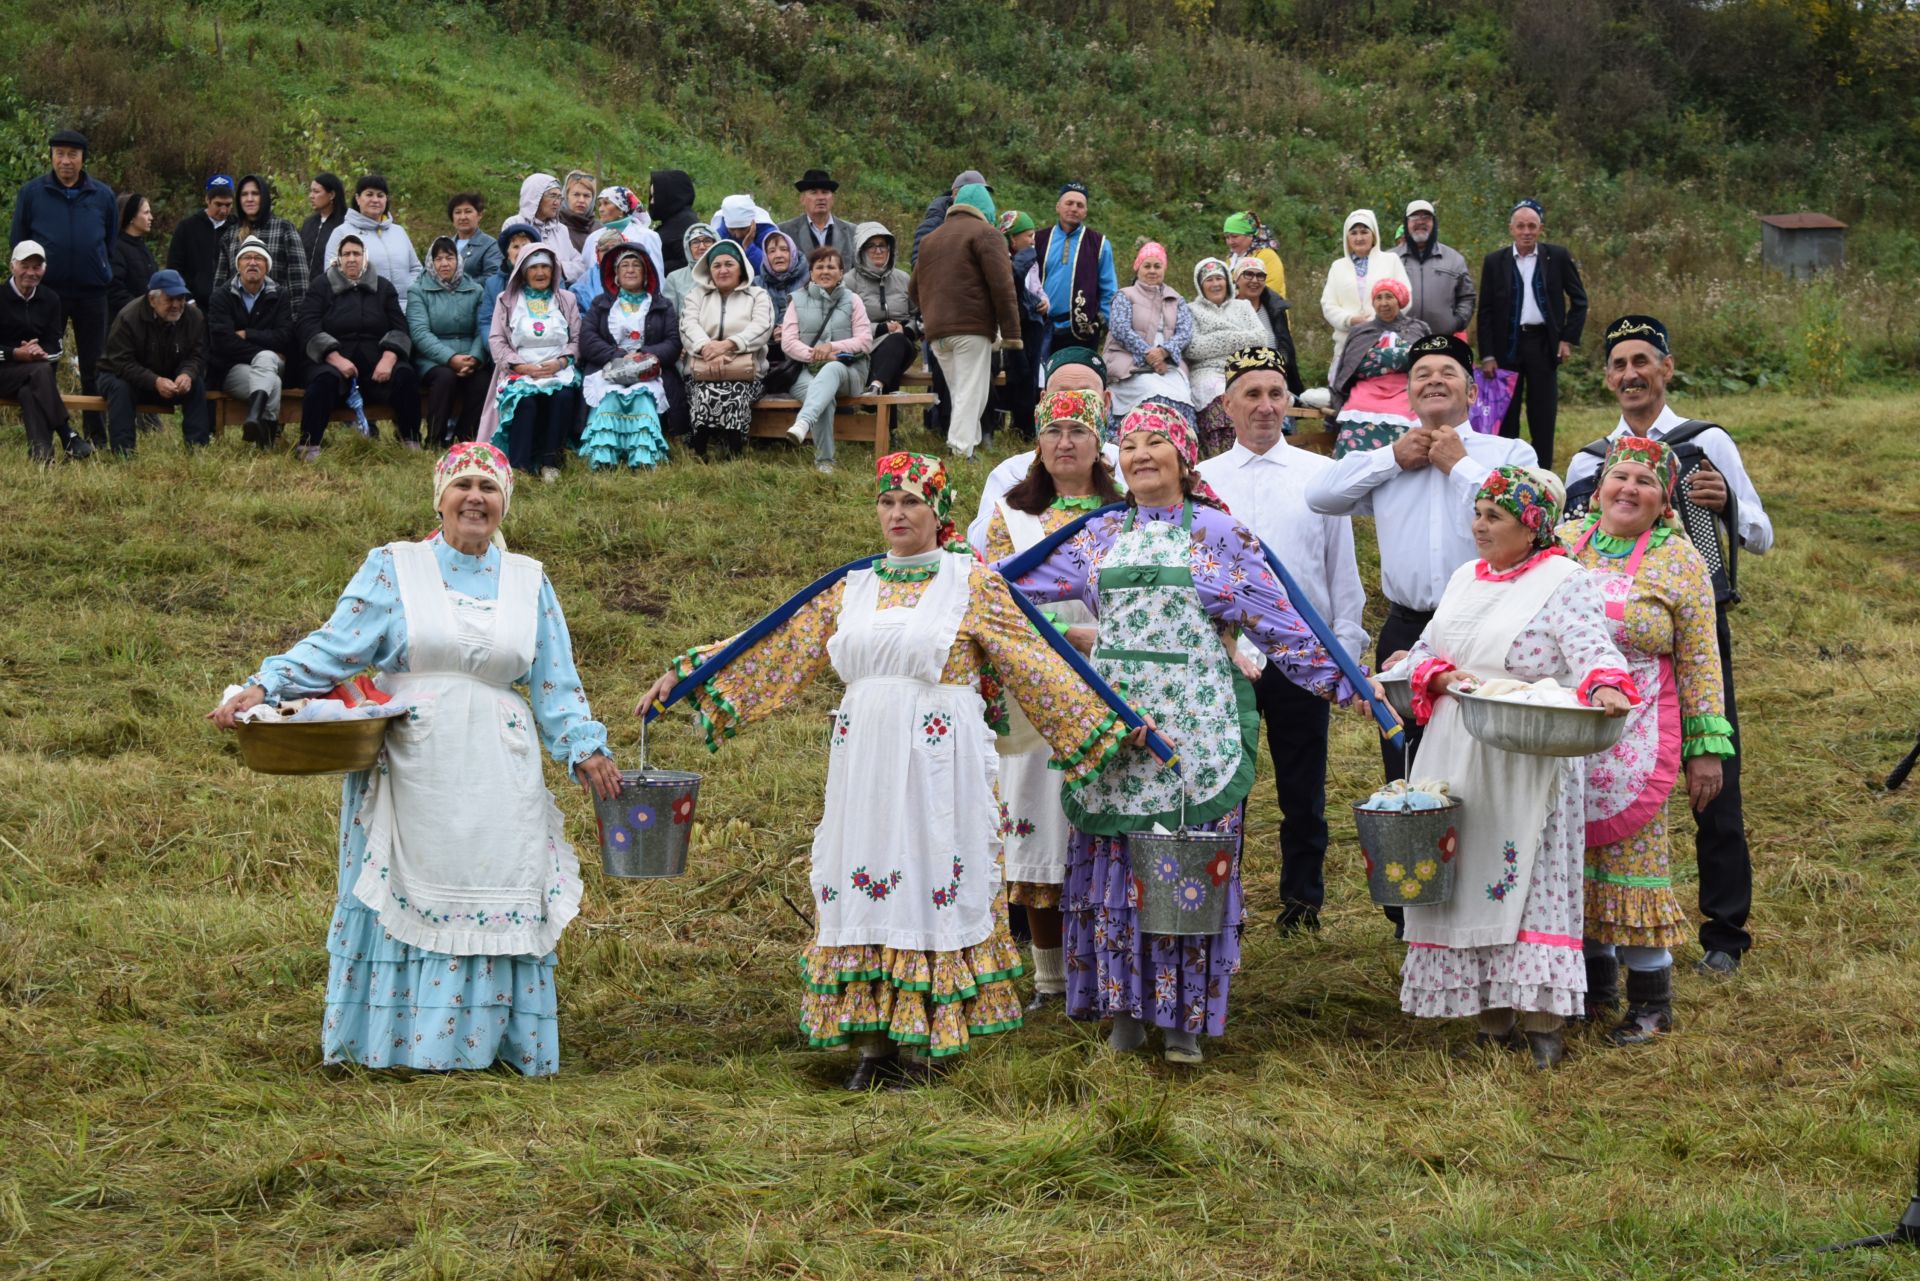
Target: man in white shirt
{"x":1639,"y":366}
{"x":1263,"y":480}
{"x":1419,"y":491}
{"x":1070,"y":369}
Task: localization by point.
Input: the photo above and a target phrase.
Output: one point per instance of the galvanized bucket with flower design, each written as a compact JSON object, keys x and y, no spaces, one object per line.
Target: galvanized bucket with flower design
{"x":1180,"y":878}
{"x":646,"y":829}
{"x":1409,"y":854}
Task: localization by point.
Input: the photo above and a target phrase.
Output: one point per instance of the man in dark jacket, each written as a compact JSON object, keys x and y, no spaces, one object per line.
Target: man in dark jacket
{"x":1437,"y":276}
{"x":1250,"y":282}
{"x":816,"y":223}
{"x":352,"y":330}
{"x":195,"y":249}
{"x":71,"y":216}
{"x":252,"y":327}
{"x":937,"y":210}
{"x":1532,"y":309}
{"x":670,"y":205}
{"x":30,"y":354}
{"x":963,"y":288}
{"x":157,"y":354}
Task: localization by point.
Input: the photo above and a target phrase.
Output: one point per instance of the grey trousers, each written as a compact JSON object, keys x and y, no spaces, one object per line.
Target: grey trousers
{"x":260,"y":374}
{"x":816,"y":394}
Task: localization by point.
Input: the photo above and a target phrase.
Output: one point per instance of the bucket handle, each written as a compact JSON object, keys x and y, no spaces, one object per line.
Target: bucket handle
{"x":643,"y":745}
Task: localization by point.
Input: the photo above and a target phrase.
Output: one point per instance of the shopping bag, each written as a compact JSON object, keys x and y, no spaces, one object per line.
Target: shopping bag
{"x":1493,"y":392}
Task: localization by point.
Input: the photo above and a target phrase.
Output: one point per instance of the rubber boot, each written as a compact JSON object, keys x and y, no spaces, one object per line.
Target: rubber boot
{"x":1603,"y":987}
{"x":1545,"y":1038}
{"x":1649,"y":1008}
{"x":256,"y":410}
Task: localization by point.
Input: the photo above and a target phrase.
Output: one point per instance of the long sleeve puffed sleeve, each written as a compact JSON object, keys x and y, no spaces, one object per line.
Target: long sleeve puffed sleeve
{"x":769,"y":675}
{"x":1236,"y":586}
{"x":368,"y":629}
{"x":1704,"y":727}
{"x":560,"y":709}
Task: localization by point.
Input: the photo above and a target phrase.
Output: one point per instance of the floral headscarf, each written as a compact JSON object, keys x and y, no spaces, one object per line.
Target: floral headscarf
{"x":926,"y":476}
{"x":1083,"y":407}
{"x":1532,"y":495}
{"x":1157,"y":416}
{"x":474,"y":458}
{"x":621,"y":198}
{"x":1648,"y":453}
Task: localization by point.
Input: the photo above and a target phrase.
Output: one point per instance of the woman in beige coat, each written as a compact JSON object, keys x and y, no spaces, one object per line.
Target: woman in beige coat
{"x":724,"y":330}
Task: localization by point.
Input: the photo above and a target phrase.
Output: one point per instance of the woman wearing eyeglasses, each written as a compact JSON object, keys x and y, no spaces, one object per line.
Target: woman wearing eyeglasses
{"x":1069,"y":477}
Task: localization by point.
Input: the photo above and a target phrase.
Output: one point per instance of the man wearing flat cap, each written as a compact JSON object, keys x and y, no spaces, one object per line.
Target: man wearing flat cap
{"x":157,"y":355}
{"x":1437,"y":275}
{"x":817,"y":225}
{"x":1072,"y":273}
{"x":30,"y":338}
{"x":1715,"y":496}
{"x":72,"y":217}
{"x":1532,"y":309}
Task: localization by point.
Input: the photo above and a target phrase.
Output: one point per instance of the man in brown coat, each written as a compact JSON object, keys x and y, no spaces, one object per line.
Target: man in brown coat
{"x":963,"y":286}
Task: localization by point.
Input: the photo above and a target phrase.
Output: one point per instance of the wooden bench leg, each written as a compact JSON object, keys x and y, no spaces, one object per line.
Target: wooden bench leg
{"x":882,"y":431}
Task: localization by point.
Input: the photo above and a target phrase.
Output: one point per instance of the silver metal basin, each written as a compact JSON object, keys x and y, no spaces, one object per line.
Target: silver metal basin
{"x":1535,"y":730}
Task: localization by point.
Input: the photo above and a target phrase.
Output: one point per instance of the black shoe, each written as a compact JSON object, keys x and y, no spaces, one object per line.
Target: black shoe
{"x":1298,"y":917}
{"x":1603,"y":987}
{"x":40,"y":457}
{"x":1044,"y":1001}
{"x":1718,"y":965}
{"x":871,"y":1074}
{"x":1548,"y":1049}
{"x":1649,"y":1008}
{"x":269,"y":433}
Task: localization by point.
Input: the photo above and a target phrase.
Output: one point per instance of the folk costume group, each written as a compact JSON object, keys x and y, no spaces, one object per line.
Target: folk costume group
{"x":980,"y":754}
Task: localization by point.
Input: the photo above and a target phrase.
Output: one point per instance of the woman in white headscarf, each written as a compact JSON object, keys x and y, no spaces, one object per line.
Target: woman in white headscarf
{"x":540,"y":205}
{"x":1346,"y":300}
{"x":1222,"y":325}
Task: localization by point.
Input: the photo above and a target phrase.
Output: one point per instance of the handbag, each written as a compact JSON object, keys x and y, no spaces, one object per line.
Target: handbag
{"x":735,"y":367}
{"x":1493,"y":392}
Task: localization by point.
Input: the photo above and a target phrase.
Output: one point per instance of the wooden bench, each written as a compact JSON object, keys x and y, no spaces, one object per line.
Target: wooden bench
{"x":226,"y":411}
{"x":857,"y":418}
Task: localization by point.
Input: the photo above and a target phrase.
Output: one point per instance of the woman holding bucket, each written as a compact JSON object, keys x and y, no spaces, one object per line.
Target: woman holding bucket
{"x":456,"y":877}
{"x":912,"y":948}
{"x":1068,"y":478}
{"x":1659,"y":601}
{"x":1507,"y":943}
{"x":1163,"y":578}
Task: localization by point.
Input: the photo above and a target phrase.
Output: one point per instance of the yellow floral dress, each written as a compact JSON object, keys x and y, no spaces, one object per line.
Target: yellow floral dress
{"x":1660,"y":613}
{"x":934,"y":1000}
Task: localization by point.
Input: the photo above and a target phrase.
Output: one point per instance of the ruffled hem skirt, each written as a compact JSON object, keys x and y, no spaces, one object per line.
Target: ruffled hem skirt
{"x":935,"y":1002}
{"x":1629,"y":892}
{"x":624,"y":431}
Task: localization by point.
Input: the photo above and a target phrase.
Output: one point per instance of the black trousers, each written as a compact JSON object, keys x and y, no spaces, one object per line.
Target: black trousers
{"x":444,"y":390}
{"x":1018,"y":397}
{"x":1297,"y":724}
{"x":196,"y":424}
{"x":1400,"y":630}
{"x":327,"y":391}
{"x":88,"y":316}
{"x":537,"y":435}
{"x":937,"y":414}
{"x":1720,"y":839}
{"x":1539,"y":388}
{"x":35,"y":385}
{"x":892,"y":355}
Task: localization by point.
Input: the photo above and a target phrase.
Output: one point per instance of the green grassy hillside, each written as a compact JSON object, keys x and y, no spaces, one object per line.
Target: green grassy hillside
{"x":1653,"y":133}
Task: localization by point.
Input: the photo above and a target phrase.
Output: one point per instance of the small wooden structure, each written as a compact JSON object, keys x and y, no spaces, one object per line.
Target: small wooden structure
{"x":1800,"y":244}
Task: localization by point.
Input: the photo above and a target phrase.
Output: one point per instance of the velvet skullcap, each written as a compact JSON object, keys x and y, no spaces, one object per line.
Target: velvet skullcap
{"x":1077,"y":356}
{"x":1531,"y":495}
{"x":1638,"y":329}
{"x":1528,"y":203}
{"x":925,"y":476}
{"x":1441,"y":345}
{"x":1250,"y":360}
{"x":1080,"y":187}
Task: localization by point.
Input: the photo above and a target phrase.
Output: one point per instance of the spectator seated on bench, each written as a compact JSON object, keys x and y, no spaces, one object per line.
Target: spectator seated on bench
{"x":157,"y":355}
{"x":252,"y":334}
{"x":883,"y":290}
{"x":30,"y":330}
{"x":352,"y":328}
{"x":826,"y":332}
{"x":724,"y":329}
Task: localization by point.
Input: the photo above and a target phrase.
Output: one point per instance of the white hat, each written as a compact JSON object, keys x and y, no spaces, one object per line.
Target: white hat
{"x":29,"y":249}
{"x":252,"y":245}
{"x":738,"y":211}
{"x":1418,"y":206}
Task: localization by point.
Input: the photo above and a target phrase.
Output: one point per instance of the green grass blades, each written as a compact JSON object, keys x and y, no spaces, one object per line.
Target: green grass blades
{"x":162,"y":916}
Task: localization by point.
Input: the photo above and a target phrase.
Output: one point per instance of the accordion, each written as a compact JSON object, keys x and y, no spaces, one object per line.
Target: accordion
{"x":1713,"y":534}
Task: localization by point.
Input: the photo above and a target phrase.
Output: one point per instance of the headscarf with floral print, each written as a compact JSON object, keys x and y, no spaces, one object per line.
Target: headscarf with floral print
{"x":926,"y":476}
{"x":1083,"y":407}
{"x":1157,"y":416}
{"x":1648,"y":453}
{"x":1532,"y":495}
{"x":474,"y":458}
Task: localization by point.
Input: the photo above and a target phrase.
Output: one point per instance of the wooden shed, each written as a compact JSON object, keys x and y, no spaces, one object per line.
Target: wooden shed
{"x":1800,"y":244}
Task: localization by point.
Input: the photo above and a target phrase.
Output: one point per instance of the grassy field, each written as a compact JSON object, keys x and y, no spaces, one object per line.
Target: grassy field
{"x":163,"y":1113}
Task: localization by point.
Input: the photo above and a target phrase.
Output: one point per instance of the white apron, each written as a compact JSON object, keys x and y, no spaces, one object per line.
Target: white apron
{"x":1507,"y":794}
{"x":1035,"y":829}
{"x":466,"y":851}
{"x":907,"y":854}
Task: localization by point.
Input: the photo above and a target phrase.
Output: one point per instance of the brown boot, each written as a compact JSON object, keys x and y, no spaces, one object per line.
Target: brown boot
{"x":1649,"y":1008}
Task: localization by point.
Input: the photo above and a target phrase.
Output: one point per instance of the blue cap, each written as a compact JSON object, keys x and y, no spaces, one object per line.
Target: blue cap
{"x":220,"y":182}
{"x":169,"y":283}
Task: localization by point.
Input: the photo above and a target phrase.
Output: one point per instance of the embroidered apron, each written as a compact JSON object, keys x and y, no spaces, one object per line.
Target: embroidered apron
{"x":907,"y":851}
{"x":1159,"y":647}
{"x":466,"y":851}
{"x":1035,"y":828}
{"x":1629,"y":782}
{"x":1508,"y":795}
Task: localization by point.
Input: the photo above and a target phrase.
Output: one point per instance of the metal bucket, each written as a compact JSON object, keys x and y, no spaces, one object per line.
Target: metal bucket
{"x":1180,"y":880}
{"x":1409,"y":854}
{"x":646,"y":829}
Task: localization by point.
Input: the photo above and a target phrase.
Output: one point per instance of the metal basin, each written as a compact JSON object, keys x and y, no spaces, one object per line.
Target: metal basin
{"x":1532,"y":729}
{"x":313,"y":747}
